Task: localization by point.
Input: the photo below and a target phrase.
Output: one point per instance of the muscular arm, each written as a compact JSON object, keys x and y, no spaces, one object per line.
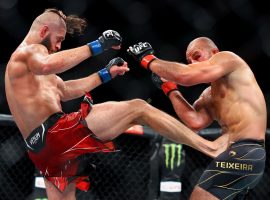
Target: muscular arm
{"x":40,"y":62}
{"x":195,"y":117}
{"x":192,"y":74}
{"x":73,"y":89}
{"x":76,"y":88}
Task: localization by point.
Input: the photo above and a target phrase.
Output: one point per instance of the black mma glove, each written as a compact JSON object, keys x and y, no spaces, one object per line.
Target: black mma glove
{"x":108,"y":39}
{"x":143,"y":53}
{"x":165,"y":86}
{"x":104,"y":73}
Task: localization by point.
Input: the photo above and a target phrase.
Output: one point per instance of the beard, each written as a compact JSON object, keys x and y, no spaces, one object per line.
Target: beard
{"x":47,"y":43}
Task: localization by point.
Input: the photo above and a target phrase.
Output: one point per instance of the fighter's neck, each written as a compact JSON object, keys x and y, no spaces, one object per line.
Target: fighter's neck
{"x":30,"y":39}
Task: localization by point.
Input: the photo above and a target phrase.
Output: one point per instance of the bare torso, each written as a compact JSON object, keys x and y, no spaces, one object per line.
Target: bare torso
{"x":238,"y":104}
{"x":31,"y":98}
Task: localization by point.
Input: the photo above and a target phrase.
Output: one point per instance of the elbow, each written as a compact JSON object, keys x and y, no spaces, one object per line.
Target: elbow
{"x":64,"y":98}
{"x":195,"y":125}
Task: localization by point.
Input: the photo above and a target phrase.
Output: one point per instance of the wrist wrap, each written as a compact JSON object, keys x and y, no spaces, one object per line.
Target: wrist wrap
{"x":95,"y":47}
{"x":104,"y":75}
{"x":168,"y":87}
{"x":145,"y":62}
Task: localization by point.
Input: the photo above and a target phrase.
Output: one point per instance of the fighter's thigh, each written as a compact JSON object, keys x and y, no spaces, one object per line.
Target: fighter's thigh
{"x":200,"y":194}
{"x":54,"y":194}
{"x":108,"y":120}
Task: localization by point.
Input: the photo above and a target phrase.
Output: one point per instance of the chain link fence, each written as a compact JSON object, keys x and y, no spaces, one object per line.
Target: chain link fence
{"x":16,"y":170}
{"x":130,"y":174}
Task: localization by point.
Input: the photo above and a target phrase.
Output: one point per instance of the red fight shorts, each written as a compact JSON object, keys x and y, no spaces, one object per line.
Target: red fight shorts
{"x":56,"y":145}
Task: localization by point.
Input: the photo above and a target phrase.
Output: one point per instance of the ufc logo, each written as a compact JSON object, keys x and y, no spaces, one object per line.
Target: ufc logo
{"x":141,"y":46}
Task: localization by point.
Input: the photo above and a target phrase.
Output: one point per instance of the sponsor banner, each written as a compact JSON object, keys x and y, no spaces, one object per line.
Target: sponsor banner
{"x":172,"y":155}
{"x":170,"y":186}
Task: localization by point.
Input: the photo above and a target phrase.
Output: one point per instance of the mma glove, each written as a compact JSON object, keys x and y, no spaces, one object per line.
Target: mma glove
{"x":143,"y":53}
{"x":108,"y":39}
{"x":104,"y":73}
{"x":165,"y":86}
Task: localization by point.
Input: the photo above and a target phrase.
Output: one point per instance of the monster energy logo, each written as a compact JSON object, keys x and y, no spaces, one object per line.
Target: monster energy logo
{"x":172,"y":153}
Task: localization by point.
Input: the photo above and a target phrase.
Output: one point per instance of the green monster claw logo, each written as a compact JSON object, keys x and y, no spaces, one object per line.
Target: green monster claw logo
{"x":172,"y":153}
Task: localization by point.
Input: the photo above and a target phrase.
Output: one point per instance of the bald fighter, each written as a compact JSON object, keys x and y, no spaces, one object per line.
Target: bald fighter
{"x":56,"y":140}
{"x":234,"y":99}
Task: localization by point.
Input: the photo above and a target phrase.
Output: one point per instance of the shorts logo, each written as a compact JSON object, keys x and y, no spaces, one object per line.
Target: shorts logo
{"x":234,"y":166}
{"x":232,"y":153}
{"x":172,"y":154}
{"x":35,"y":138}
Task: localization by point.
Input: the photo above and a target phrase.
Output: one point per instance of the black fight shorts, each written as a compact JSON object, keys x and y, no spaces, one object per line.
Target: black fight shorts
{"x":236,"y":170}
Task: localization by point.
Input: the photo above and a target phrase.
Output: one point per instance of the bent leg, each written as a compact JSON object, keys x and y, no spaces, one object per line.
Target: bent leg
{"x":110,"y":119}
{"x":200,"y":194}
{"x":54,"y":194}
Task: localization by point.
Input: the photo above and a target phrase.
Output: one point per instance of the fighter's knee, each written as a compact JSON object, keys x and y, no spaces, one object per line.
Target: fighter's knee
{"x":137,"y":102}
{"x":138,"y":106}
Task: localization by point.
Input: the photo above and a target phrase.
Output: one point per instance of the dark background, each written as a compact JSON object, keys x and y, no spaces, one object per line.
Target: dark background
{"x":241,"y":26}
